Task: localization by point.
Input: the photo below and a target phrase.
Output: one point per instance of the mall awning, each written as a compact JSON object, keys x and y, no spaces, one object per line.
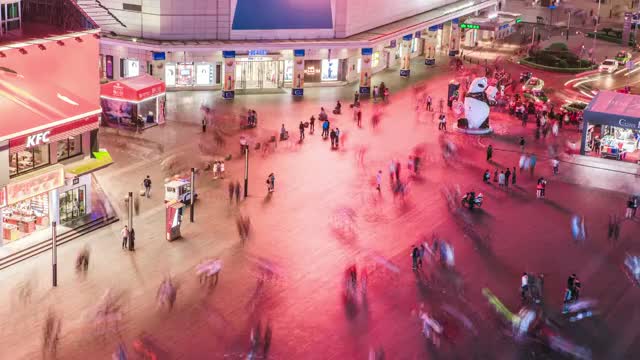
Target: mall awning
{"x":615,"y":109}
{"x":133,"y":89}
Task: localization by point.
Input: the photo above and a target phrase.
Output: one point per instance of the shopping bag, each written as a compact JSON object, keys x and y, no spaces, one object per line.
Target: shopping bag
{"x":142,"y":192}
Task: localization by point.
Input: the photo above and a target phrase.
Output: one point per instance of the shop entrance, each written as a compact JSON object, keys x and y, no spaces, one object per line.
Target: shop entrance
{"x":72,"y":204}
{"x":256,"y":73}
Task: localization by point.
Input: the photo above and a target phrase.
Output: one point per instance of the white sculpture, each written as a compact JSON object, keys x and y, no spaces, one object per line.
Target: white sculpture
{"x":476,"y":106}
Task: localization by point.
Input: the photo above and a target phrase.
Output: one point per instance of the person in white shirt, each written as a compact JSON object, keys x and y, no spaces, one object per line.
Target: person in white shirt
{"x":556,"y":164}
{"x":124,"y":233}
{"x":524,"y":286}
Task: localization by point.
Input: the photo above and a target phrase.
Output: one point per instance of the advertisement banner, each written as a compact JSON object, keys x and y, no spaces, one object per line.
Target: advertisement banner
{"x":626,"y":28}
{"x":297,"y":88}
{"x":406,"y":56}
{"x":454,"y":40}
{"x":430,"y":43}
{"x":229,"y":86}
{"x":365,"y":71}
{"x":36,"y":184}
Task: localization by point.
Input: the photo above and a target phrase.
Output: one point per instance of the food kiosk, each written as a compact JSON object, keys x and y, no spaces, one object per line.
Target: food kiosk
{"x":134,"y":103}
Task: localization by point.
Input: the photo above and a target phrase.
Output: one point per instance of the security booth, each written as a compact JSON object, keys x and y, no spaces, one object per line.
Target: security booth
{"x":174,"y":211}
{"x":178,"y":190}
{"x":611,"y":126}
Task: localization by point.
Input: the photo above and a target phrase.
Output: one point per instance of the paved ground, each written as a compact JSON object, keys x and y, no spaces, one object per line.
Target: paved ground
{"x":300,"y":228}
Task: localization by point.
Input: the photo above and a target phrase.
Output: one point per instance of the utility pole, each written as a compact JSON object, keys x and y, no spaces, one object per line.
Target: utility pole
{"x":246,"y":171}
{"x":130,"y":210}
{"x":54,"y":254}
{"x":193,"y":193}
{"x":595,"y":31}
{"x":568,"y":25}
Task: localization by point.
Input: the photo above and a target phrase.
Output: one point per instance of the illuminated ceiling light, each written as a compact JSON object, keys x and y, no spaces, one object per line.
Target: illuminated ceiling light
{"x":41,"y":47}
{"x":134,"y":40}
{"x":60,"y":42}
{"x":23,"y":51}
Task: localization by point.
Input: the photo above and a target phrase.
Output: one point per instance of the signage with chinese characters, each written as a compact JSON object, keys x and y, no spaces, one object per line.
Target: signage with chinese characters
{"x":469,"y":26}
{"x":257,"y":52}
{"x":35,"y":185}
{"x":3,"y":197}
{"x":37,"y":139}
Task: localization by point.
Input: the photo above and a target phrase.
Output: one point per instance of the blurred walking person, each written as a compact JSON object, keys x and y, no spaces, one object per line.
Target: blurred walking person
{"x":378,"y":180}
{"x":237,"y":191}
{"x":231,"y":191}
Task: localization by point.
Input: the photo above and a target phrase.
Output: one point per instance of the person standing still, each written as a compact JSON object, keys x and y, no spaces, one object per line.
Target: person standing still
{"x":301,"y":127}
{"x":124,"y":233}
{"x":429,"y":100}
{"x":359,"y":117}
{"x":489,"y":153}
{"x":147,"y":186}
{"x":237,"y":191}
{"x":378,"y":180}
{"x":204,"y":125}
{"x":507,"y":175}
{"x":132,"y":240}
{"x":312,"y":123}
{"x":513,"y":181}
{"x":521,"y":144}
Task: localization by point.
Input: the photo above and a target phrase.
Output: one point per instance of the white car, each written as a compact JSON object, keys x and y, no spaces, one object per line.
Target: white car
{"x":609,"y":66}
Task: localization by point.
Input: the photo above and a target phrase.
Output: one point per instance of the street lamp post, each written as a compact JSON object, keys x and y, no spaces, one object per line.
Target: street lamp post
{"x":54,"y":254}
{"x":193,"y":194}
{"x":246,"y":171}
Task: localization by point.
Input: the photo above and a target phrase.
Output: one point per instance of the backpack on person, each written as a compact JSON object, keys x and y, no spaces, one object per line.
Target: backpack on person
{"x":147,"y":183}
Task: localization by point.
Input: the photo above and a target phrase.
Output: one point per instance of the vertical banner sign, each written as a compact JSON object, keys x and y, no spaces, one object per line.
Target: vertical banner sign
{"x":229,"y":84}
{"x":405,"y":68}
{"x":454,"y":40}
{"x":430,"y":43}
{"x":365,"y":71}
{"x":297,"y":88}
{"x":626,"y":29}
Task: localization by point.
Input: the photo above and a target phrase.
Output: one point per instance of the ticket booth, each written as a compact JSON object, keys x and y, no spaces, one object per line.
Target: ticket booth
{"x":174,"y":219}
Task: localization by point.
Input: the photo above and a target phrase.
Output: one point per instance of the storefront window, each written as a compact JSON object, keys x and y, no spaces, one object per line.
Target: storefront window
{"x":330,"y":69}
{"x":376,"y":59}
{"x":170,"y":74}
{"x":69,"y":147}
{"x":72,"y":204}
{"x":184,"y":75}
{"x":29,"y":159}
{"x":204,"y":74}
{"x":288,"y":70}
{"x":23,"y":218}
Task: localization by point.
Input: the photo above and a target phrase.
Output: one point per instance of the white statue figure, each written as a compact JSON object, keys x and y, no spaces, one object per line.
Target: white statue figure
{"x":476,"y":106}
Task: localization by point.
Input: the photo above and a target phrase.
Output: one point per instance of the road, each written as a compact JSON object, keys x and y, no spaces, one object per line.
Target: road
{"x":302,"y":229}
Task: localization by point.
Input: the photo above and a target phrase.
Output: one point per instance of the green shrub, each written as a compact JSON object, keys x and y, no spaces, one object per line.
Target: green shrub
{"x":563,"y":64}
{"x":606,"y":31}
{"x":618,"y":34}
{"x":557,"y":47}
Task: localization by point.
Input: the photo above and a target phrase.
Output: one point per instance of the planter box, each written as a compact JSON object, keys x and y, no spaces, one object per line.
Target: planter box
{"x":555,"y":69}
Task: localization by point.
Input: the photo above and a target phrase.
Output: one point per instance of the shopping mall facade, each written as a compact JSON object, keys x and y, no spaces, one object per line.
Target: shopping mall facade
{"x":234,"y":46}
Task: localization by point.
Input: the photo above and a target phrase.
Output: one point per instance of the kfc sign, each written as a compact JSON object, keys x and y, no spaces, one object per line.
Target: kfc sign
{"x":37,"y":139}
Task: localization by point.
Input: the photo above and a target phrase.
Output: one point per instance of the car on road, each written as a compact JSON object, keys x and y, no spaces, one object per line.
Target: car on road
{"x":533,"y":84}
{"x":538,"y":96}
{"x":608,"y":66}
{"x":622,"y":57}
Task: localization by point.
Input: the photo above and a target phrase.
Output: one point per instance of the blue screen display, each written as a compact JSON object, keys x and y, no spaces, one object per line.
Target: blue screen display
{"x":282,"y":14}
